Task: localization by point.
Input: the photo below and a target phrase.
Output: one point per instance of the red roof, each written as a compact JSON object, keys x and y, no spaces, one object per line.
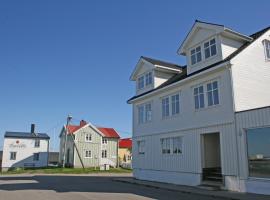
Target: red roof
{"x":108,"y":132}
{"x":125,"y":143}
{"x":74,"y":128}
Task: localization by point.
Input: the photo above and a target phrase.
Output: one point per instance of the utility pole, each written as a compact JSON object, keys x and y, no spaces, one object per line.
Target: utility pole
{"x":65,"y":144}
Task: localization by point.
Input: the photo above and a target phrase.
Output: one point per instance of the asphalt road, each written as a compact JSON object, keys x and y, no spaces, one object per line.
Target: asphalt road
{"x":76,"y":187}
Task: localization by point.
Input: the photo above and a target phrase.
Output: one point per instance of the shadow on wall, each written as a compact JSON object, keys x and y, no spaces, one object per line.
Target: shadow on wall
{"x":97,"y":184}
{"x":30,"y":162}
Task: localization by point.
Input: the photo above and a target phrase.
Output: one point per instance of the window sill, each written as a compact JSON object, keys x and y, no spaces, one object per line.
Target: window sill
{"x":171,"y":116}
{"x":207,"y":108}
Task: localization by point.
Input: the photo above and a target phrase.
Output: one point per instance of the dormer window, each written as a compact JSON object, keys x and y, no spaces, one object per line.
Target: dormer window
{"x":210,"y":48}
{"x":267,"y":49}
{"x":196,"y":55}
{"x":148,"y":79}
{"x":141,"y":82}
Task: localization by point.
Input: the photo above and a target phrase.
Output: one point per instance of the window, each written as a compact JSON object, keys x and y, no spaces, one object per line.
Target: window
{"x":104,"y":141}
{"x":37,"y":143}
{"x":175,"y":104}
{"x":141,"y":82}
{"x":165,"y":107}
{"x":148,"y":112}
{"x":145,"y":113}
{"x":199,"y":97}
{"x":177,"y":145}
{"x":259,"y":152}
{"x":148,"y":79}
{"x":210,"y":48}
{"x":141,"y":147}
{"x":267,"y":49}
{"x":104,"y":154}
{"x":165,"y":145}
{"x":13,"y":155}
{"x":196,"y":55}
{"x":88,"y":137}
{"x":88,"y":154}
{"x":36,"y":157}
{"x":212,"y":93}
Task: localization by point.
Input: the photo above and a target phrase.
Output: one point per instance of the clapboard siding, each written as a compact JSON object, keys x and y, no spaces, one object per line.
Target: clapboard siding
{"x":249,"y":119}
{"x":190,"y":160}
{"x":251,"y":76}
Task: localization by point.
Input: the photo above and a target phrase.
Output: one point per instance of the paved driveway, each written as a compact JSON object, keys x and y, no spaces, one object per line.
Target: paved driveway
{"x":76,"y":187}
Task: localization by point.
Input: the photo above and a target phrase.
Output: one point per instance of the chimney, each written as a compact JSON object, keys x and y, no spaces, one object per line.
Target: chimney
{"x":82,"y":123}
{"x":33,"y":129}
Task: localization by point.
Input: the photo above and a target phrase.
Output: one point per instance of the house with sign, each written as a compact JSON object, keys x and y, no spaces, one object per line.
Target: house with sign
{"x":206,"y":122}
{"x":86,"y":145}
{"x":25,"y":149}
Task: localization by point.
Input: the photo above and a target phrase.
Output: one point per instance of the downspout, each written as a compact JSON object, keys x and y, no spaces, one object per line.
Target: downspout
{"x":235,"y":127}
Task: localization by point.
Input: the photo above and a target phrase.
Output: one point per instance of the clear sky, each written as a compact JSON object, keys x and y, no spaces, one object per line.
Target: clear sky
{"x":61,"y":57}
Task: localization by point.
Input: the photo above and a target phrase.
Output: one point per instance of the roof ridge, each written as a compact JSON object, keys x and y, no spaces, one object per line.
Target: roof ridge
{"x":154,"y":59}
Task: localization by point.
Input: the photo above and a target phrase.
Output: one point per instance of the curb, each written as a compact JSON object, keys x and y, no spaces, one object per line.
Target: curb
{"x":179,"y":190}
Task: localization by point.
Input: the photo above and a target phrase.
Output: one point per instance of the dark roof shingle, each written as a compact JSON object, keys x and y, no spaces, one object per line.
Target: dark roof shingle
{"x":10,"y":134}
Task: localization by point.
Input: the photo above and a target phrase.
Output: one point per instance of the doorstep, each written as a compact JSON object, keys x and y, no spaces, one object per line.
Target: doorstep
{"x":194,"y":190}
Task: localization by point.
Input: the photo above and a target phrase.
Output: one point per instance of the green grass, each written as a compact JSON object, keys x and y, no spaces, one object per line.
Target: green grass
{"x":58,"y":170}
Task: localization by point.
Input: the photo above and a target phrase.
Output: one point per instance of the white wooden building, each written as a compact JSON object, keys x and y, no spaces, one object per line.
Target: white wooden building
{"x":25,"y":149}
{"x":186,"y":119}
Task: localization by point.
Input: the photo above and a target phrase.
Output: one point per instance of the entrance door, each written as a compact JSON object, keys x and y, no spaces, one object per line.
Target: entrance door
{"x":211,"y":161}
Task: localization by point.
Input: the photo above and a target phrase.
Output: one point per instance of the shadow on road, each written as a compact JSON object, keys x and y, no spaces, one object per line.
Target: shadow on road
{"x":98,"y":184}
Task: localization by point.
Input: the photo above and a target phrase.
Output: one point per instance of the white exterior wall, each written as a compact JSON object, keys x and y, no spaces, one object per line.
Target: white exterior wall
{"x":228,"y":46}
{"x":245,"y":120}
{"x":25,"y":150}
{"x":251,"y":77}
{"x":187,"y":167}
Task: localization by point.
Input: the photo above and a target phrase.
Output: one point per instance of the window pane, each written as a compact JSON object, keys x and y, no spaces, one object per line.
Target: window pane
{"x":199,"y":57}
{"x":192,"y":51}
{"x":198,"y":49}
{"x":201,"y":101}
{"x":213,"y":50}
{"x":207,"y":53}
{"x":258,"y":141}
{"x":193,"y":59}
{"x":213,"y":41}
{"x":201,"y":89}
{"x":209,"y":86}
{"x":215,"y":85}
{"x":196,"y":90}
{"x":216,"y":97}
{"x":210,"y":98}
{"x":206,"y":44}
{"x":196,"y":98}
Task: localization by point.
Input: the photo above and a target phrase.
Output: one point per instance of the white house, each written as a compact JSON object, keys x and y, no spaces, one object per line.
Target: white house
{"x":191,"y":123}
{"x":25,"y":149}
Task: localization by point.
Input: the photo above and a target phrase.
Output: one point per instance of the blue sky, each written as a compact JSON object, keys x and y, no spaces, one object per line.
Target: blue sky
{"x":61,"y":57}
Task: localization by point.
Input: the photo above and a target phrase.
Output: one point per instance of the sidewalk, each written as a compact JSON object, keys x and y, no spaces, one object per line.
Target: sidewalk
{"x":195,"y":190}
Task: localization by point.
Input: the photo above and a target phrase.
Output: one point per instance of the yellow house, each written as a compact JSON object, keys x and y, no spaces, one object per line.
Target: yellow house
{"x":125,"y":151}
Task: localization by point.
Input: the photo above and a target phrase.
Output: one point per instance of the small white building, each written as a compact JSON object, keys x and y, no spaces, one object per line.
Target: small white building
{"x":25,"y":149}
{"x":191,"y":123}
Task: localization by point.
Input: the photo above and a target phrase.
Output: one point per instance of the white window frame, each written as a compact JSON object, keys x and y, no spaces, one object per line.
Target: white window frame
{"x":266,"y":44}
{"x":104,"y":153}
{"x":141,"y":82}
{"x":166,"y":145}
{"x":165,"y":107}
{"x":196,"y":52}
{"x":88,"y":137}
{"x":145,"y":113}
{"x":104,"y":140}
{"x":198,"y":95}
{"x":37,"y":143}
{"x":211,"y":92}
{"x":148,"y":79}
{"x":13,"y":155}
{"x":178,"y":140}
{"x":141,"y":147}
{"x":175,"y":103}
{"x":87,"y":154}
{"x":209,"y":47}
{"x":36,"y":158}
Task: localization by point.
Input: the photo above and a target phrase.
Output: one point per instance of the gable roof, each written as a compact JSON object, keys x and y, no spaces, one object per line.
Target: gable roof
{"x":105,"y":132}
{"x":125,"y":143}
{"x":108,"y":132}
{"x":167,"y":66}
{"x":183,"y":74}
{"x":217,"y":27}
{"x":26,"y":135}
